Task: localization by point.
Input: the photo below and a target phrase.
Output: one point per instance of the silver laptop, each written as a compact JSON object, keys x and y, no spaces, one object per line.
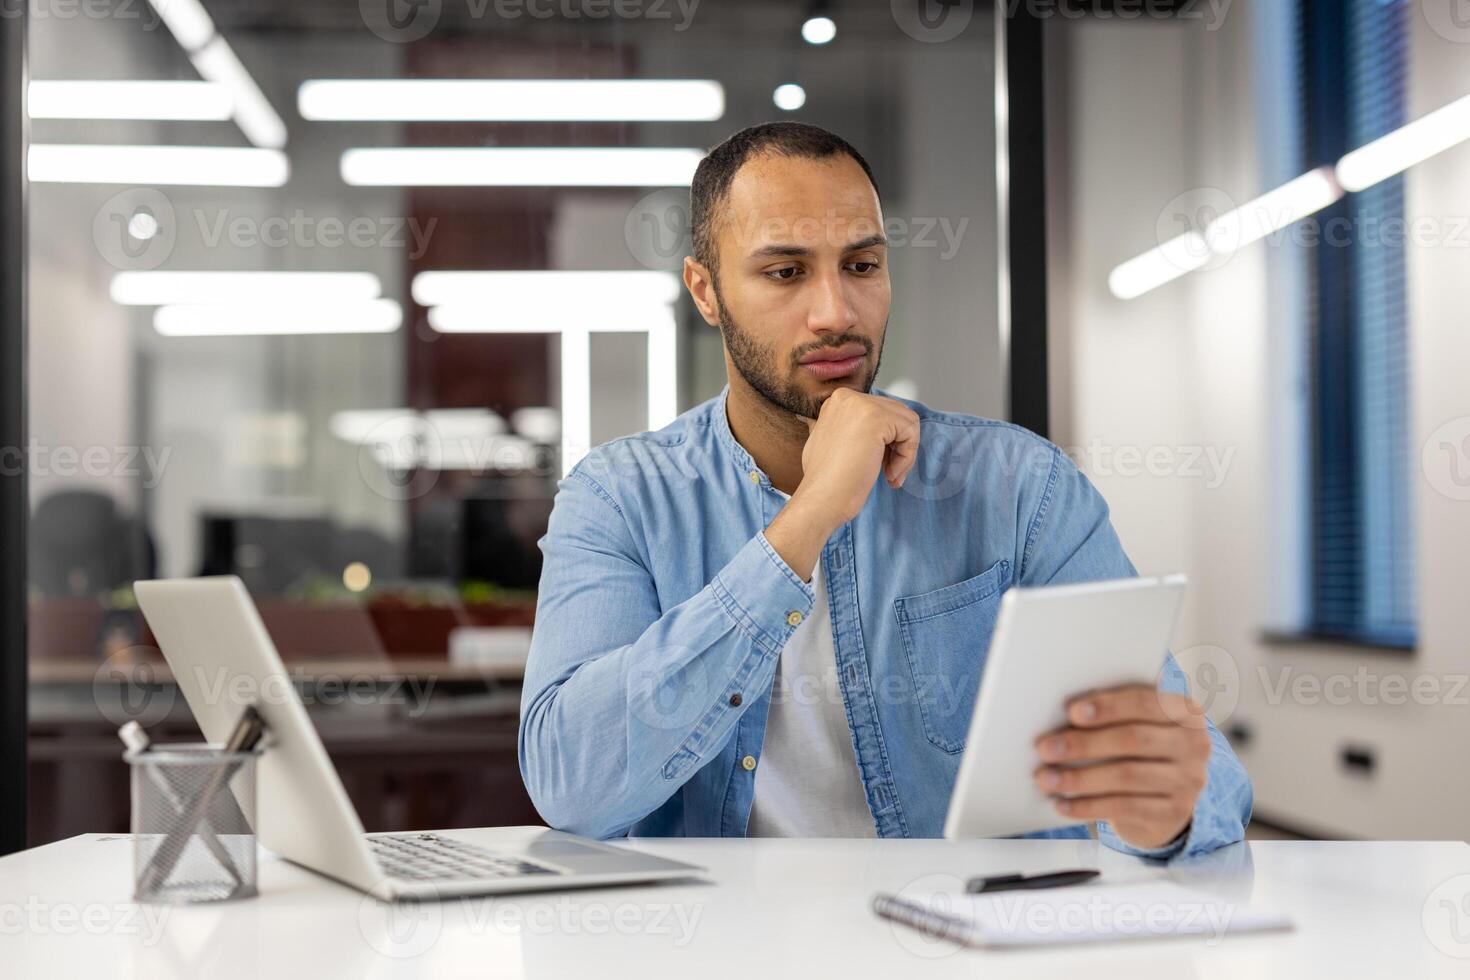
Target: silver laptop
{"x":223,"y":659}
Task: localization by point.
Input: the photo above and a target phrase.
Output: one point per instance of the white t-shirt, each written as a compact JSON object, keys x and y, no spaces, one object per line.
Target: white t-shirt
{"x":807,"y":782}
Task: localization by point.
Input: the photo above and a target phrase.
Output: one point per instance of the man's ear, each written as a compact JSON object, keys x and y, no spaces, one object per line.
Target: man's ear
{"x":701,"y":286}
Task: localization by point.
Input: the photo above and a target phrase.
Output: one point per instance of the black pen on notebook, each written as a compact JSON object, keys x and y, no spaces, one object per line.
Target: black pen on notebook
{"x":1016,"y":882}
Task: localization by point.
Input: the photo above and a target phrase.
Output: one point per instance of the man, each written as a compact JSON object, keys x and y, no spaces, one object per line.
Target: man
{"x":741,"y":629}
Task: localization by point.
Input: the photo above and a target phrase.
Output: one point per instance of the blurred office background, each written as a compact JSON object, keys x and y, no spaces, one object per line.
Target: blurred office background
{"x":374,"y":447}
{"x":371,"y":445}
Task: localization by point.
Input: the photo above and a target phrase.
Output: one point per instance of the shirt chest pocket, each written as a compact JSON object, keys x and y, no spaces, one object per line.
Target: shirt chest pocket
{"x":945,"y":636}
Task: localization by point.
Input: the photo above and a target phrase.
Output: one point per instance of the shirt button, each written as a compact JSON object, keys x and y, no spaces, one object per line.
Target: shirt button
{"x":748,"y":763}
{"x":755,"y":476}
{"x":793,"y":618}
{"x":735,"y":700}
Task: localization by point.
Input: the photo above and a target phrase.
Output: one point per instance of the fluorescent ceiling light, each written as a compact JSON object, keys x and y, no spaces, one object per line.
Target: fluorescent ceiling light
{"x":550,"y":319}
{"x":497,"y":100}
{"x":1181,"y":254}
{"x":253,"y":113}
{"x":663,"y":373}
{"x":1362,"y":168}
{"x":214,"y":59}
{"x":128,"y":100}
{"x":1252,"y":221}
{"x":1405,"y":146}
{"x":518,"y":292}
{"x":186,"y":21}
{"x":160,"y":288}
{"x":818,"y":30}
{"x":576,"y":397}
{"x":218,"y":166}
{"x":574,"y":305}
{"x":241,"y":319}
{"x":1274,"y":210}
{"x":520,"y":167}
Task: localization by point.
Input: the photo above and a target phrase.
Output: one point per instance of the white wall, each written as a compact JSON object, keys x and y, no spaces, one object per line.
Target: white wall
{"x":1156,"y":109}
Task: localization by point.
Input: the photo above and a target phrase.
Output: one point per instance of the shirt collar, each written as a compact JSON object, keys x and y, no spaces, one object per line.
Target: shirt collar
{"x":742,"y":459}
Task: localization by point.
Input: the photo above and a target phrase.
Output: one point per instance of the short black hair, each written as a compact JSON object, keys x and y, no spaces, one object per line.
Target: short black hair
{"x":715,"y":173}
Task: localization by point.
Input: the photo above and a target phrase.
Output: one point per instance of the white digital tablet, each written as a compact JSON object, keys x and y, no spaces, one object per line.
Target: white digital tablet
{"x":1049,"y":645}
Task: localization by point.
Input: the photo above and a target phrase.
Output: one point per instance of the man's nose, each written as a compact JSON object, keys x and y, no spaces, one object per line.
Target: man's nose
{"x":830,"y":311}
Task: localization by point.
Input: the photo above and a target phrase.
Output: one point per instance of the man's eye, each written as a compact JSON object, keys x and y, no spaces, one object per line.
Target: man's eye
{"x":862,"y":268}
{"x":784,"y":273}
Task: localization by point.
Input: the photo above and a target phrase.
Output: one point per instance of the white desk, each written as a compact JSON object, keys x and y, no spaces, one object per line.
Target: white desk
{"x":771,"y":909}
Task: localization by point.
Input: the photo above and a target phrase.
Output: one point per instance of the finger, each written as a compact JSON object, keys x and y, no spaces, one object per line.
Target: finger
{"x":1135,"y":702}
{"x":1131,"y":776}
{"x":1133,"y":809}
{"x":904,"y":446}
{"x":896,"y":464}
{"x":1136,"y":740}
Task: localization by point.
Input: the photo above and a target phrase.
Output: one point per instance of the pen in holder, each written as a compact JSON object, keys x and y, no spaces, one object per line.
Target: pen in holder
{"x":193,"y":816}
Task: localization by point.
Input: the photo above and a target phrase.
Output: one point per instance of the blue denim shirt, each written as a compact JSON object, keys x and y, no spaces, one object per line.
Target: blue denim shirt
{"x":663,"y":609}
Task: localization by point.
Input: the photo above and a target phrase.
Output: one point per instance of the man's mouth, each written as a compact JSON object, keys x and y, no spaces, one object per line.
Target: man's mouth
{"x":829,"y":363}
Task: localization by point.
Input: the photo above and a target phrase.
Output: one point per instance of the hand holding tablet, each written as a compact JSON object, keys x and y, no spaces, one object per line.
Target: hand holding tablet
{"x":1144,"y":754}
{"x":1080,"y":663}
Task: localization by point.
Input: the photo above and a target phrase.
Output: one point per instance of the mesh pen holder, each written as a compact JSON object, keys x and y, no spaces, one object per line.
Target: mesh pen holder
{"x":193,"y":823}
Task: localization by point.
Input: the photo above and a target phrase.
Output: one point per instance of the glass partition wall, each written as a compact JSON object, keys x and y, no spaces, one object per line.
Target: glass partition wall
{"x":329,"y":295}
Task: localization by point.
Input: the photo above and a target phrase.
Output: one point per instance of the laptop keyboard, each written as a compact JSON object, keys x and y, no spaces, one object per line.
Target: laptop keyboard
{"x":426,"y":857}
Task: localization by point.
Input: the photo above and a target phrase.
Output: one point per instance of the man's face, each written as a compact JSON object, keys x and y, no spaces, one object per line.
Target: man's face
{"x":801,"y":293}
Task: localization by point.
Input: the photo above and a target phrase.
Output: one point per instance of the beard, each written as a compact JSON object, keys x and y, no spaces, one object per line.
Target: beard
{"x":774,"y":376}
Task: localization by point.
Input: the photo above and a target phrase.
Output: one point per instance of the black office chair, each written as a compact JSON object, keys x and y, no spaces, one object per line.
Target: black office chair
{"x":81,"y":545}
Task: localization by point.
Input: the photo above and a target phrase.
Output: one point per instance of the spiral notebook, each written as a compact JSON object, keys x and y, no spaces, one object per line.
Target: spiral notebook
{"x":1081,"y":914}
